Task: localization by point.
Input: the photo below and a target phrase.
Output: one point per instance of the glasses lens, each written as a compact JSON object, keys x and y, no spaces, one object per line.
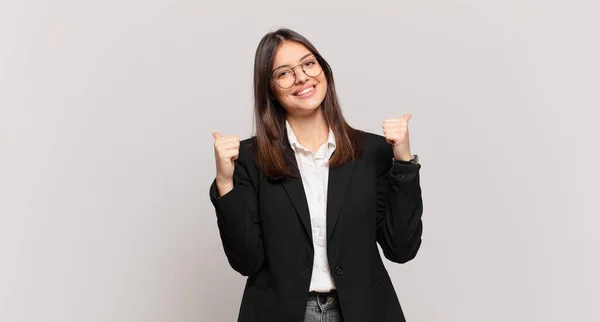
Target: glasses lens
{"x":284,"y":77}
{"x":312,"y":68}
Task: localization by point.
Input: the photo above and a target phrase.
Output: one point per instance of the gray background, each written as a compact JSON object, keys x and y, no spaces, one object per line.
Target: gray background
{"x":107,"y":110}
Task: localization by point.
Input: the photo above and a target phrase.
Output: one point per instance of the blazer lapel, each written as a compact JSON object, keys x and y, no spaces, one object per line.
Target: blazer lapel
{"x":295,"y":191}
{"x":339,"y":182}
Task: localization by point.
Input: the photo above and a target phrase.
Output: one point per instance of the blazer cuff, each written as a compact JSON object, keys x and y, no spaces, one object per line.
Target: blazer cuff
{"x":404,"y":172}
{"x":227,"y":202}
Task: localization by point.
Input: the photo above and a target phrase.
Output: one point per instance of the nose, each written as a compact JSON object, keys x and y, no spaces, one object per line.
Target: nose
{"x":300,"y":75}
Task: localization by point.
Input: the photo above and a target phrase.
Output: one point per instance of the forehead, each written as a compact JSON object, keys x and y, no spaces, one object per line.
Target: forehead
{"x":289,"y":53}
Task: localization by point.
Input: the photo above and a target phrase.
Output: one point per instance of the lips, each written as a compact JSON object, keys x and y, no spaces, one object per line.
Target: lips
{"x":305,"y":90}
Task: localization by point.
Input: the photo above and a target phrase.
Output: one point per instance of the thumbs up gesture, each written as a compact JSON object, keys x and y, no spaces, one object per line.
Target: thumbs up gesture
{"x":396,"y":133}
{"x":227,"y":149}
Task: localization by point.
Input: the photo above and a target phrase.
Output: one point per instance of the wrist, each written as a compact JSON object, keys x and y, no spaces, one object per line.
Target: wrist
{"x":403,"y":157}
{"x":224,"y":186}
{"x":224,"y":180}
{"x":414,"y":160}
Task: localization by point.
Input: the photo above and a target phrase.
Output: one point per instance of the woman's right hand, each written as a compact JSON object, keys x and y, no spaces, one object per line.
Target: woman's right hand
{"x":227,"y":149}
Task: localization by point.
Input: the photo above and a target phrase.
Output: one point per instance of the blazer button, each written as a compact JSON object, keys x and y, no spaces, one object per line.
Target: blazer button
{"x":339,"y":270}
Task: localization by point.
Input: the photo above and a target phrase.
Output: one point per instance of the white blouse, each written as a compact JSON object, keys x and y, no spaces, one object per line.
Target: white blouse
{"x":314,"y":172}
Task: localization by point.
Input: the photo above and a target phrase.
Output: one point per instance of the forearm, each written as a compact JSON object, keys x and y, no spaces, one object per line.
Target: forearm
{"x":239,"y":229}
{"x":400,"y":209}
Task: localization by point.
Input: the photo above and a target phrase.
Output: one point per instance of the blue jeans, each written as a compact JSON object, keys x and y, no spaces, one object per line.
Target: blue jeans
{"x":323,"y":307}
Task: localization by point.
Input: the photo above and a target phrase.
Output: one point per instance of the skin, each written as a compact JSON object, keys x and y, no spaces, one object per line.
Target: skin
{"x":304,"y":115}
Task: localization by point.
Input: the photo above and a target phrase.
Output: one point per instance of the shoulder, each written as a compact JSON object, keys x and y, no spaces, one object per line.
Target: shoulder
{"x":247,"y":143}
{"x":246,"y":155}
{"x":372,"y":138}
{"x":377,"y":151}
{"x":376,"y":146}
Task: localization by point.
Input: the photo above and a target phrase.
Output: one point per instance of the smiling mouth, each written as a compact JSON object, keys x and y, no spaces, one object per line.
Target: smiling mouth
{"x":305,"y":91}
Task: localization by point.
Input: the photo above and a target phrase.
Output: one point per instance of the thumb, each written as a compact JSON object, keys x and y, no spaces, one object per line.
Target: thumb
{"x":407,"y":117}
{"x":216,"y":135}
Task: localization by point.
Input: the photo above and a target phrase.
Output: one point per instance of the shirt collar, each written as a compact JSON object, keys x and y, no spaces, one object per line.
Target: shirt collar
{"x":296,"y":144}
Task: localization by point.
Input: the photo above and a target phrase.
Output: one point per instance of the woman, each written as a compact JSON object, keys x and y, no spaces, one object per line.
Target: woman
{"x":302,"y":204}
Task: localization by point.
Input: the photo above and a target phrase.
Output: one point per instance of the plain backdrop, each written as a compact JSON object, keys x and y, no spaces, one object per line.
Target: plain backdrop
{"x":106,"y":156}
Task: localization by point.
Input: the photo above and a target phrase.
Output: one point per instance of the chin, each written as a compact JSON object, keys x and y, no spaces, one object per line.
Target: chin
{"x":309,"y":104}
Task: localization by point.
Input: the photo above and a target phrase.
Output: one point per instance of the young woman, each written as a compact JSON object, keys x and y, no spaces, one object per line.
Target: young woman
{"x":302,"y":204}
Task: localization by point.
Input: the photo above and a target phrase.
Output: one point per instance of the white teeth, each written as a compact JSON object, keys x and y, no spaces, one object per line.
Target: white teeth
{"x":305,"y":91}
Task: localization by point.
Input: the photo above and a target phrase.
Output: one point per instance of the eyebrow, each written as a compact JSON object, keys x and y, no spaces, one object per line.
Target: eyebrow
{"x":281,"y":66}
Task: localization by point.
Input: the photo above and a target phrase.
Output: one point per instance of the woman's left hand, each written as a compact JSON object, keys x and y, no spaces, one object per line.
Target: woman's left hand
{"x":396,"y":133}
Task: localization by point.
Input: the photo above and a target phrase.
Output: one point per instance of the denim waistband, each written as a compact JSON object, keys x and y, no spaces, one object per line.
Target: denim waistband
{"x":316,"y":299}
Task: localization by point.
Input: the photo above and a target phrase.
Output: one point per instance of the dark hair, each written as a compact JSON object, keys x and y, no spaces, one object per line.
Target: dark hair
{"x":272,"y":149}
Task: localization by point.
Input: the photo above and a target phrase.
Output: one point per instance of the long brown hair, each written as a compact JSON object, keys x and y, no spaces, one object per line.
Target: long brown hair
{"x":272,"y":150}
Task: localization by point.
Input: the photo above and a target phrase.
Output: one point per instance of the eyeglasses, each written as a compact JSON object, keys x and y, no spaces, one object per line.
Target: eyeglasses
{"x":286,"y":77}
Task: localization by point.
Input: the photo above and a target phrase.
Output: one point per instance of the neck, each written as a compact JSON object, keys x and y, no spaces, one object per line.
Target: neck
{"x":310,"y":130}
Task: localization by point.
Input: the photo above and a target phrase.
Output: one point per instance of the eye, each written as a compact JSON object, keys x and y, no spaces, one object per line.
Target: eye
{"x":284,"y":73}
{"x":310,"y":63}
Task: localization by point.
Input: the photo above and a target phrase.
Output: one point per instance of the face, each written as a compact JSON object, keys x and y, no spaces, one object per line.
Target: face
{"x":307,"y":89}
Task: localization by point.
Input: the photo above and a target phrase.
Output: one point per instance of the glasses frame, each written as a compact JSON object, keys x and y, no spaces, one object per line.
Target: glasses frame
{"x":319,"y":61}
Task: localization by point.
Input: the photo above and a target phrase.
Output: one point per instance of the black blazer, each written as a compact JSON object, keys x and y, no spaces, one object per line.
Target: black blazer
{"x":265,"y":231}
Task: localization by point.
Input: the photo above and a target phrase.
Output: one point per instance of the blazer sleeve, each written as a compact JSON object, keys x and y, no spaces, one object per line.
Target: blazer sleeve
{"x":239,"y":222}
{"x":399,"y":207}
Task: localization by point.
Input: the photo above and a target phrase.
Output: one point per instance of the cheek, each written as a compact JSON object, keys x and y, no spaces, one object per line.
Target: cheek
{"x":278,"y":93}
{"x":323,"y":84}
{"x":284,"y":97}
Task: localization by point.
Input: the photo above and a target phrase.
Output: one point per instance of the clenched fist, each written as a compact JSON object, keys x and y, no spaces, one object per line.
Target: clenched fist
{"x":396,"y":134}
{"x":227,"y":149}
